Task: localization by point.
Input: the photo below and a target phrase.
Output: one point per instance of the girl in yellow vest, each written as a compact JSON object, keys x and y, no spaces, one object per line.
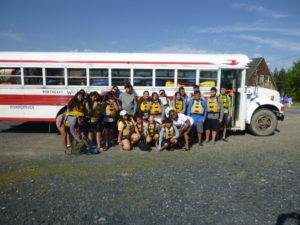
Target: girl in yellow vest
{"x":164,"y":98}
{"x":110,"y":113}
{"x":143,"y":106}
{"x":168,"y":136}
{"x":76,"y":103}
{"x":178,"y":103}
{"x":69,"y":123}
{"x":156,"y":108}
{"x":128,"y":132}
{"x":93,"y":114}
{"x":151,"y":130}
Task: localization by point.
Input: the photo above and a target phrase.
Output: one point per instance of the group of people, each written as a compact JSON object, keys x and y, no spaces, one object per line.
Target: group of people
{"x":146,"y":121}
{"x":286,"y":100}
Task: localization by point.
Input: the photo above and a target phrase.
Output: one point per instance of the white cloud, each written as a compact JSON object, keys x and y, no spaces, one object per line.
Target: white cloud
{"x":181,"y":49}
{"x":260,"y":10}
{"x":258,"y":47}
{"x":280,"y":44}
{"x":84,"y":50}
{"x":11,"y":35}
{"x":224,"y":29}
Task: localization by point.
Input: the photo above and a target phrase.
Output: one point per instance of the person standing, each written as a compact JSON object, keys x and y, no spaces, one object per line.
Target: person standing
{"x":128,"y":100}
{"x":227,"y":108}
{"x":198,"y":111}
{"x":215,"y":113}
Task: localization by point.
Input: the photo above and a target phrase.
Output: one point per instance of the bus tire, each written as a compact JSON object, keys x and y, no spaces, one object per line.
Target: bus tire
{"x":263,"y":123}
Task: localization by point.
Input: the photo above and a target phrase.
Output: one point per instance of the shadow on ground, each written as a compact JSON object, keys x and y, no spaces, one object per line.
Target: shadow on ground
{"x":31,"y":127}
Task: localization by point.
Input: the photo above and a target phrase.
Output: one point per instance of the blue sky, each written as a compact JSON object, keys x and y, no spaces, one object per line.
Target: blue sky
{"x":268,"y":28}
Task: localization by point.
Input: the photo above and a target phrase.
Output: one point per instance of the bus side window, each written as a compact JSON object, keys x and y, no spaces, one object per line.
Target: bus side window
{"x":99,"y":77}
{"x":142,"y":77}
{"x":186,"y":78}
{"x":164,"y":78}
{"x":33,"y":76}
{"x":77,"y":77}
{"x":120,"y":77}
{"x":55,"y":76}
{"x":208,"y":78}
{"x":10,"y":76}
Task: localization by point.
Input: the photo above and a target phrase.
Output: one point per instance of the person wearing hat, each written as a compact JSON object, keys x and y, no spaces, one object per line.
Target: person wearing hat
{"x":128,"y":100}
{"x":128,"y":131}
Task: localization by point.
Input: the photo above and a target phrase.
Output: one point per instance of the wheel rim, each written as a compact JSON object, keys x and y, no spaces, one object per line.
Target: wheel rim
{"x":263,"y":122}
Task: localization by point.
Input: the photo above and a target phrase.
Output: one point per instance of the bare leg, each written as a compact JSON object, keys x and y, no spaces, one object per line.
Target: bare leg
{"x":224,"y":132}
{"x":98,"y":139}
{"x":186,"y":138}
{"x":213,"y":136}
{"x":126,"y":145}
{"x":207,"y":134}
{"x":199,"y":137}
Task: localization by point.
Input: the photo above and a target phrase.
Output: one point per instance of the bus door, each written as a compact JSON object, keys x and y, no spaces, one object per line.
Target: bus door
{"x":231,"y":80}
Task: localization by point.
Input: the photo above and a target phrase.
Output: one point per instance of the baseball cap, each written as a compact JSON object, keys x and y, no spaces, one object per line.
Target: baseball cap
{"x":123,"y":113}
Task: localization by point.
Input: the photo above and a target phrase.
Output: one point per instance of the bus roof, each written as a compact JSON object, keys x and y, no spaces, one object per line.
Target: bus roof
{"x":232,"y":60}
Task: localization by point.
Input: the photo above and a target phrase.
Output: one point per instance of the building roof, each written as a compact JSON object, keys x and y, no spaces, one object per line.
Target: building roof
{"x":253,"y":66}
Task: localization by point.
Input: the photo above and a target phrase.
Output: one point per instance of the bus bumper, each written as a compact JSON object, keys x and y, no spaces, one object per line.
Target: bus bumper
{"x":280,"y":116}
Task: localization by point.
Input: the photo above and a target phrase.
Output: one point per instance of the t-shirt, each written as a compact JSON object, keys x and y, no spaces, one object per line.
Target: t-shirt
{"x":180,"y":122}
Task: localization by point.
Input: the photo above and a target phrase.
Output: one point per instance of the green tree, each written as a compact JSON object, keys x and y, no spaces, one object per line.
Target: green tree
{"x":281,"y":80}
{"x":294,"y":80}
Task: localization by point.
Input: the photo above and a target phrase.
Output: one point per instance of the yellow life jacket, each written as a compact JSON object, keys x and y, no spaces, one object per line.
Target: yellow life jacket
{"x":213,"y":105}
{"x":197,"y":108}
{"x":169,"y":132}
{"x":140,"y":128}
{"x":128,"y":128}
{"x":152,"y":129}
{"x":78,"y":108}
{"x":155,"y":108}
{"x":72,"y":113}
{"x":96,"y":111}
{"x":110,"y":110}
{"x":144,"y":106}
{"x":177,"y":105}
{"x":224,"y":100}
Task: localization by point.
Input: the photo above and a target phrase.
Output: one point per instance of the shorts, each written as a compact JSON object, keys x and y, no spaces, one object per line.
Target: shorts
{"x":212,"y":124}
{"x":127,"y":137}
{"x":199,"y":126}
{"x":166,"y":141}
{"x":225,"y":120}
{"x":95,"y":127}
{"x":109,"y":125}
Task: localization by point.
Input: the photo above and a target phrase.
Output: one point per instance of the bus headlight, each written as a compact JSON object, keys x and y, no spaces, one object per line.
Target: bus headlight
{"x":282,"y":108}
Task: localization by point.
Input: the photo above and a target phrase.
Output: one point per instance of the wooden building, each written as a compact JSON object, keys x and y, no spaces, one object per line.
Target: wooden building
{"x":259,"y":74}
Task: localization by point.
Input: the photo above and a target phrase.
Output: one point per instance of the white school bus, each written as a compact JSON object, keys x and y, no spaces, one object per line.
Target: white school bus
{"x":34,"y":86}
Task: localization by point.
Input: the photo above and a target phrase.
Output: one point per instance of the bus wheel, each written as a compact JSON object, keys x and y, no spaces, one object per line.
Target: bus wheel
{"x":263,"y":123}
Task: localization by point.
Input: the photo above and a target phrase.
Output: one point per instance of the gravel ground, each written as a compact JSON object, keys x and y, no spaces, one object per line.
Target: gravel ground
{"x":250,"y":180}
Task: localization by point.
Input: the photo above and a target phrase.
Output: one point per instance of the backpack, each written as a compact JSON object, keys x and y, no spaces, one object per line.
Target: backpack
{"x":143,"y":145}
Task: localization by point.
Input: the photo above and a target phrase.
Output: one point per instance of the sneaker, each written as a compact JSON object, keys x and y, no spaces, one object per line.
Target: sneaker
{"x":200,"y":144}
{"x":224,"y":139}
{"x":213,"y":142}
{"x":206,"y":141}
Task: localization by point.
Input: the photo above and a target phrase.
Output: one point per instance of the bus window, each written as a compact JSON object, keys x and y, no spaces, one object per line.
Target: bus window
{"x":77,"y":77}
{"x":142,"y":77}
{"x":55,"y":76}
{"x":186,"y":78}
{"x":99,"y":77}
{"x":208,"y":78}
{"x":164,"y":78}
{"x":120,"y":77}
{"x":230,"y":78}
{"x":33,"y":76}
{"x":10,"y":76}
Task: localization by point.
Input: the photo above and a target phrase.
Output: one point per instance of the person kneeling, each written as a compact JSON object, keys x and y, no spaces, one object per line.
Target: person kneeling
{"x":168,"y":136}
{"x":128,"y":131}
{"x":151,"y":131}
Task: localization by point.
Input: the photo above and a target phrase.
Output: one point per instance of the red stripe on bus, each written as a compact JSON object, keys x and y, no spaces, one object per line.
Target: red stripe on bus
{"x":102,"y":62}
{"x":34,"y":99}
{"x":27,"y":119}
